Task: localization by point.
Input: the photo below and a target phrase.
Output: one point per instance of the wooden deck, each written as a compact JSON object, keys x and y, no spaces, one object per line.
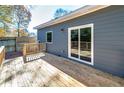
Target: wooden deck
{"x":87,"y":75}
{"x":35,"y":73}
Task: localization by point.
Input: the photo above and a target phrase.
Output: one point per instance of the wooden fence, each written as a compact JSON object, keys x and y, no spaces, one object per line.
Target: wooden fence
{"x":26,"y":40}
{"x":20,"y":41}
{"x":2,"y":54}
{"x":32,"y":48}
{"x":14,"y":44}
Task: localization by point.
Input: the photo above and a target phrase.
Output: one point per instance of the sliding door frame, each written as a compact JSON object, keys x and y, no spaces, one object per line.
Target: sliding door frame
{"x":92,"y":43}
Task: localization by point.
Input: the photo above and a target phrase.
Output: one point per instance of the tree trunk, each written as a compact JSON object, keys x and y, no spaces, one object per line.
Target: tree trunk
{"x":18,"y":29}
{"x":17,"y":36}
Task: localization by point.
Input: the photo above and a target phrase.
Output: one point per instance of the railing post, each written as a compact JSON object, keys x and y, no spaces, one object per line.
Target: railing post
{"x":24,"y":52}
{"x":39,"y":46}
{"x":2,"y":54}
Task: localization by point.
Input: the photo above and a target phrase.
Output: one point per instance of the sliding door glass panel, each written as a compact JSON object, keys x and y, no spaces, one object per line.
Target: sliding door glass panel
{"x":74,"y":43}
{"x":85,"y":44}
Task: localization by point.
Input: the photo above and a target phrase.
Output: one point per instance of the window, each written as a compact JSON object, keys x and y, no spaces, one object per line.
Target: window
{"x":49,"y":37}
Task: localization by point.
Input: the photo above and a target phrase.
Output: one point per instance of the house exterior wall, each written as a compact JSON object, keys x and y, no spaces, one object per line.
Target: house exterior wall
{"x":108,"y":38}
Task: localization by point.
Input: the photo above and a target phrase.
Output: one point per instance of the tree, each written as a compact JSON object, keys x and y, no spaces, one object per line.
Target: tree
{"x":2,"y":33}
{"x":60,"y":12}
{"x":23,"y":32}
{"x":32,"y":34}
{"x":14,"y":17}
{"x":22,"y":17}
{"x":6,"y":13}
{"x":6,"y":16}
{"x":17,"y":16}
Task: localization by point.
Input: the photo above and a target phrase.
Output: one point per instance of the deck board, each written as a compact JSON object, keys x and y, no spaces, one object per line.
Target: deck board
{"x":35,"y":73}
{"x":52,"y":71}
{"x":85,"y":74}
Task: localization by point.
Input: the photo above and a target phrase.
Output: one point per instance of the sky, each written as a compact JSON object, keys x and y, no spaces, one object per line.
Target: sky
{"x":42,"y":14}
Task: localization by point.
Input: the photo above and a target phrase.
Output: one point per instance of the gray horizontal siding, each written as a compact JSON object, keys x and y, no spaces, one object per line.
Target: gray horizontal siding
{"x":59,"y":46}
{"x":108,"y":38}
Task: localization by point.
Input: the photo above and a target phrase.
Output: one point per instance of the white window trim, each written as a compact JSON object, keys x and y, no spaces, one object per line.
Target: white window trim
{"x":92,"y":44}
{"x":52,"y":37}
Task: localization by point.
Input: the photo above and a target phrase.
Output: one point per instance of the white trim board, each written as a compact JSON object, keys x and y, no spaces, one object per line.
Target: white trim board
{"x":92,"y":44}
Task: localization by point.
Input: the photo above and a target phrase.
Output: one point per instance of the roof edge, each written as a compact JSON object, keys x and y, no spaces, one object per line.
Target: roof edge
{"x":77,"y":13}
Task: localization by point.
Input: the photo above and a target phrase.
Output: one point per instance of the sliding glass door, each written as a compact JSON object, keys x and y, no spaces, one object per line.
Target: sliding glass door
{"x":74,"y":43}
{"x":85,"y":44}
{"x":81,"y":43}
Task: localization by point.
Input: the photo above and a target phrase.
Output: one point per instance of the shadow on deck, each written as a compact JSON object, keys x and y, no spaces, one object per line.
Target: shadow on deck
{"x":10,"y":55}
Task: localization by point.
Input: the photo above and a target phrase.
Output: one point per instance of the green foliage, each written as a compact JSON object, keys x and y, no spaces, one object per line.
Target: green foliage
{"x":2,"y":32}
{"x":22,"y":17}
{"x":17,"y":16}
{"x":6,"y":13}
{"x":60,"y":12}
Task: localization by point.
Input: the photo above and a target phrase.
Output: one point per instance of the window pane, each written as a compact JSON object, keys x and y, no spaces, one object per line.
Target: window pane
{"x":74,"y":43}
{"x":49,"y":36}
{"x":85,"y":44}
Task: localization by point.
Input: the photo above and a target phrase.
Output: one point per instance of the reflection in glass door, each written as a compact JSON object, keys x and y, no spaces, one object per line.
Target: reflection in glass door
{"x":74,"y":43}
{"x":85,"y":44}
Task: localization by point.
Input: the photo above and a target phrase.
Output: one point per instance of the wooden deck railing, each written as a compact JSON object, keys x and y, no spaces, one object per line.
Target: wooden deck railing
{"x":2,"y":54}
{"x":32,"y":48}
